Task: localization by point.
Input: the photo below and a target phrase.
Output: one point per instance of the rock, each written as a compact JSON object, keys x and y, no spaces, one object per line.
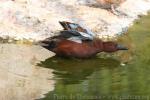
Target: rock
{"x":107,"y":3}
{"x":38,"y":19}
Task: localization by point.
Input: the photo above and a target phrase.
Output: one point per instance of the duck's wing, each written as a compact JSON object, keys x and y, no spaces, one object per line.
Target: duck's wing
{"x":65,"y":34}
{"x":76,"y":30}
{"x":75,"y":39}
{"x":72,"y":26}
{"x":65,"y":25}
{"x":72,"y":34}
{"x":69,"y":33}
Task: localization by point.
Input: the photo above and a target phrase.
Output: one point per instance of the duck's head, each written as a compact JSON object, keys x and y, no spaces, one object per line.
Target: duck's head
{"x":113,"y":46}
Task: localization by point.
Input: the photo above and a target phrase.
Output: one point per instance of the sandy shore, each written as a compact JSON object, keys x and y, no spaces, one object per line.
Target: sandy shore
{"x":38,"y":19}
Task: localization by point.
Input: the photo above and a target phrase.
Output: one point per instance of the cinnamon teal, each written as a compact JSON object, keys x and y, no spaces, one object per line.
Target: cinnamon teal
{"x":87,"y":46}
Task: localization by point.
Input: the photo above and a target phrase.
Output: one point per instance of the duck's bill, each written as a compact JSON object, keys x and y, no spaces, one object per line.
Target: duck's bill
{"x":121,"y":47}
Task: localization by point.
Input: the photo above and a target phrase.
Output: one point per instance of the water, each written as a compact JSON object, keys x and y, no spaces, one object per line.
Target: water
{"x":124,"y":75}
{"x":20,"y":77}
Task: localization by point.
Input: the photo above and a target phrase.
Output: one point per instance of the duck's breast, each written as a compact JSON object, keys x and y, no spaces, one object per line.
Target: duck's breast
{"x":73,"y":49}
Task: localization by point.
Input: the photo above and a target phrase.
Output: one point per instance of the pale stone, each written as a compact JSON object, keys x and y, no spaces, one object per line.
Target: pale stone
{"x":38,"y":19}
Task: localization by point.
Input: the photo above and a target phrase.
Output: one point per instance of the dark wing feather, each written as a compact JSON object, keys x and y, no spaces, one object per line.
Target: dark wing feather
{"x":72,"y":26}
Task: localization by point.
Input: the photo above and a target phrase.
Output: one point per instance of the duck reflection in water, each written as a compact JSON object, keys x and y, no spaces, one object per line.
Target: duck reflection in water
{"x":74,"y":71}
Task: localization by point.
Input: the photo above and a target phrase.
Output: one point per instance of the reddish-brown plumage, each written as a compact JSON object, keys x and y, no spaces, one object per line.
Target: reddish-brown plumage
{"x":79,"y":50}
{"x":67,"y":48}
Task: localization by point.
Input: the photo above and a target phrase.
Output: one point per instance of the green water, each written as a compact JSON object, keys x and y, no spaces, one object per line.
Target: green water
{"x":106,"y":78}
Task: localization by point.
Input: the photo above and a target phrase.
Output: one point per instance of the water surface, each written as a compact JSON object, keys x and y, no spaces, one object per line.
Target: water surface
{"x":20,"y":77}
{"x":123,"y":75}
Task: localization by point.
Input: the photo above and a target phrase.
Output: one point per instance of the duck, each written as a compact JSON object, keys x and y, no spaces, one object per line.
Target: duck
{"x":77,"y":45}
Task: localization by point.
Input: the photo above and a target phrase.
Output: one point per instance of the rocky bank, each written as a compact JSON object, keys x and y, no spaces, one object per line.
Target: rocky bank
{"x":38,"y":19}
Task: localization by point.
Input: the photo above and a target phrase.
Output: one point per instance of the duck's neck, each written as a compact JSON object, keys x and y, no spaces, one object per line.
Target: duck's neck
{"x":98,"y":45}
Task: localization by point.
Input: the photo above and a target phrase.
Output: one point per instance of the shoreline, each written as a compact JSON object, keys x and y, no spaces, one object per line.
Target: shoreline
{"x":36,"y":20}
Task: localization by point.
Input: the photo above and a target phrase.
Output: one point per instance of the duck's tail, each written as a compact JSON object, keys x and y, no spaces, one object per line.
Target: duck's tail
{"x":47,"y":43}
